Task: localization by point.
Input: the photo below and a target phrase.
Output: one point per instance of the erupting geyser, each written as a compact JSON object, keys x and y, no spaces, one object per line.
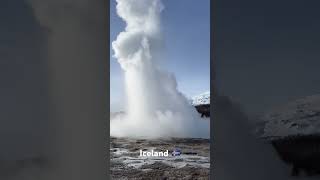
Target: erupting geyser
{"x":155,"y":108}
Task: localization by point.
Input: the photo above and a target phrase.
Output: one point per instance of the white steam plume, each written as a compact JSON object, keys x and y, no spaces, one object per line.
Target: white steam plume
{"x":155,"y":107}
{"x":76,"y":57}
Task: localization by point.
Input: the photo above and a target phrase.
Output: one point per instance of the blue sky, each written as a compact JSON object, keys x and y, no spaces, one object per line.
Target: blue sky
{"x":186,"y":29}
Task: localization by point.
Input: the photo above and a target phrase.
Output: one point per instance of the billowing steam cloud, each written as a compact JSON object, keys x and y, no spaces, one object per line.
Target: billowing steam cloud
{"x":76,"y":57}
{"x":155,"y":107}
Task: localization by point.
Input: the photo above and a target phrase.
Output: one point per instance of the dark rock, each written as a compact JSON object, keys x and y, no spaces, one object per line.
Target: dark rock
{"x":204,"y":110}
{"x":301,"y":151}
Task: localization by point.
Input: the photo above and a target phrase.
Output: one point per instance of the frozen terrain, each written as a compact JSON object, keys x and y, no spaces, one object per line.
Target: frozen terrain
{"x":193,"y":163}
{"x":201,"y":99}
{"x":294,"y":131}
{"x":300,"y":117}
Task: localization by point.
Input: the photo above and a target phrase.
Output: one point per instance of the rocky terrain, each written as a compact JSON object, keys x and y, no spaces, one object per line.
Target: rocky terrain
{"x":299,"y":117}
{"x":294,"y":131}
{"x":193,"y":163}
{"x":302,"y":152}
{"x":204,"y":110}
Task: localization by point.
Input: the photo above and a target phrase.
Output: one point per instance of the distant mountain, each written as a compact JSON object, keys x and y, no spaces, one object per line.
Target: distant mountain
{"x":300,"y":117}
{"x":201,"y":99}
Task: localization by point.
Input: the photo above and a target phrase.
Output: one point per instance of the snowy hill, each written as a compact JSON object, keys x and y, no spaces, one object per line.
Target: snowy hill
{"x":201,"y":99}
{"x":300,"y":117}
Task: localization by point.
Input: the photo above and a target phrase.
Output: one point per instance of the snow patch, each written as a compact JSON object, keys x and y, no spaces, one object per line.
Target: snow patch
{"x":300,"y":117}
{"x":201,"y":99}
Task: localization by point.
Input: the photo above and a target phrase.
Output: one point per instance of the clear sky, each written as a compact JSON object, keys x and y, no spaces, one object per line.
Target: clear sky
{"x":186,"y":29}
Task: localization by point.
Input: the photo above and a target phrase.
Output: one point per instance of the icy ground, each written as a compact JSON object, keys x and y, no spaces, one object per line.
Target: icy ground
{"x":194,"y":162}
{"x":201,"y":99}
{"x":300,"y":117}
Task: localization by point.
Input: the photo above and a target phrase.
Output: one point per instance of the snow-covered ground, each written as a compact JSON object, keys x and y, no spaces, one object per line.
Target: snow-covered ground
{"x":125,"y":158}
{"x":203,"y":98}
{"x":173,"y":161}
{"x":300,"y":117}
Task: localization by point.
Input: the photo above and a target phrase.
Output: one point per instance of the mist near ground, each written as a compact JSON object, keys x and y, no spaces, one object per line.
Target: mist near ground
{"x":75,"y":51}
